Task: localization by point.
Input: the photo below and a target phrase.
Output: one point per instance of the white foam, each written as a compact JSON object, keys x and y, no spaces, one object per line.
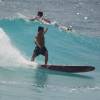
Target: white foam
{"x":85,"y":18}
{"x":22,"y":16}
{"x":9,"y":54}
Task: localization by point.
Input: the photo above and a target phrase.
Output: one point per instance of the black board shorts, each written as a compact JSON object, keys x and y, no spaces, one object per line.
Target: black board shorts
{"x":38,"y":51}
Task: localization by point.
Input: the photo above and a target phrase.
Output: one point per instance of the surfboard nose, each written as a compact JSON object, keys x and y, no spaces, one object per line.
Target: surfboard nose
{"x":91,"y":68}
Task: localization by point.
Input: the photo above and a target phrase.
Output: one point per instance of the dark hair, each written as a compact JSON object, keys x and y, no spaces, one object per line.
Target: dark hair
{"x":40,"y":13}
{"x":40,"y":28}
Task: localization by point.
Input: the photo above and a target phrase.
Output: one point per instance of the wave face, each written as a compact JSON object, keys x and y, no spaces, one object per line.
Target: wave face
{"x":64,"y":47}
{"x":10,"y":55}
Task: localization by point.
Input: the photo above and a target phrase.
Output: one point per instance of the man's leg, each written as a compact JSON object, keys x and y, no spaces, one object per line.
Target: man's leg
{"x":35,"y":53}
{"x":33,"y":57}
{"x":46,"y":57}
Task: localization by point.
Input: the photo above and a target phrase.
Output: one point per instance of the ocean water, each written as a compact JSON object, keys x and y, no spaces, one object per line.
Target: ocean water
{"x":21,"y":79}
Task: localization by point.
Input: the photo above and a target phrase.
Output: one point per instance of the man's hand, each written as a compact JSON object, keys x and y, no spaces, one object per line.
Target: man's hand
{"x":37,"y":43}
{"x":45,"y":30}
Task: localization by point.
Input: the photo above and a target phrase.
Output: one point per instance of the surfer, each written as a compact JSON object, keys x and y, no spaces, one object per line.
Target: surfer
{"x":40,"y":44}
{"x":40,"y":17}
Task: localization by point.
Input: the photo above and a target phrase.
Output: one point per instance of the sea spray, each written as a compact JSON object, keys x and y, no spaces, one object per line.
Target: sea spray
{"x":9,"y":54}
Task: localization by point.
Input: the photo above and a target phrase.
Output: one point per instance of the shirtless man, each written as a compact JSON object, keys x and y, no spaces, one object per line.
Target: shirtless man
{"x":40,"y":45}
{"x":40,"y":17}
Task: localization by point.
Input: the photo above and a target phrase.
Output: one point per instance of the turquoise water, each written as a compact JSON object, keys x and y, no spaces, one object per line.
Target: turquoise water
{"x":18,"y":80}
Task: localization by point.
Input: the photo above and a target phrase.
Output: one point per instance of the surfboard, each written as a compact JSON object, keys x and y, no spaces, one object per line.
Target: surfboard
{"x":68,"y":68}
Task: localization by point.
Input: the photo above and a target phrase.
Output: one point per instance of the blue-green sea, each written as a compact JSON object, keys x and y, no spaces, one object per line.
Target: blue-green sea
{"x":20,"y":79}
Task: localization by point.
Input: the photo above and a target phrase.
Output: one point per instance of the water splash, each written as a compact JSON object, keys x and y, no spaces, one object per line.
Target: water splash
{"x":9,"y":54}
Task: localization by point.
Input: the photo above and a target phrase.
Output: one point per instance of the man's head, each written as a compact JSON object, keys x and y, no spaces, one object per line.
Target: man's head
{"x":40,"y":29}
{"x":40,"y":13}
